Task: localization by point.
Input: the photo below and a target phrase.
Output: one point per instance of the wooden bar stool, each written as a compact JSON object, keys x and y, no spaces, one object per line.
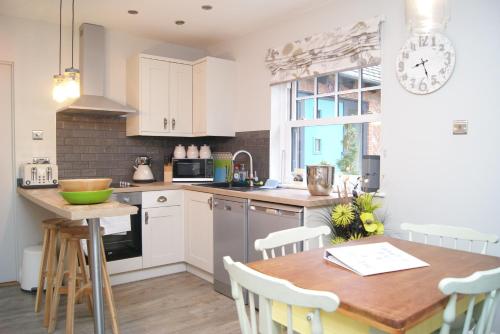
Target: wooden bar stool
{"x":71,"y":249}
{"x":47,"y":270}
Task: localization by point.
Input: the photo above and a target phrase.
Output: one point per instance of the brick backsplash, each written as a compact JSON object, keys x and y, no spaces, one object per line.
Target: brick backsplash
{"x":96,"y":146}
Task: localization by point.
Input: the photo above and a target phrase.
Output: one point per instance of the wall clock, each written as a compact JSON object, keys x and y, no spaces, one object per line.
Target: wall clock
{"x":425,"y":63}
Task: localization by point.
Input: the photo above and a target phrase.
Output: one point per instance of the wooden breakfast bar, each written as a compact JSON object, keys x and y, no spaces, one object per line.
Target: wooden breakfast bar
{"x":50,"y":200}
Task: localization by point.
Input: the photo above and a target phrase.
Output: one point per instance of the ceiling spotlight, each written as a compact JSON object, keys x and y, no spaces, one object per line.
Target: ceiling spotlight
{"x":206,"y":7}
{"x":180,"y":22}
{"x":133,"y":12}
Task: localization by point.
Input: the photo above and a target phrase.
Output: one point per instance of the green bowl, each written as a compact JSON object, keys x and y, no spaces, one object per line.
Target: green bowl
{"x":86,"y":197}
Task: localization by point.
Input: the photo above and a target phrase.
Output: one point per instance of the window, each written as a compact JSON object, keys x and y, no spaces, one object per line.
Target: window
{"x":333,"y":118}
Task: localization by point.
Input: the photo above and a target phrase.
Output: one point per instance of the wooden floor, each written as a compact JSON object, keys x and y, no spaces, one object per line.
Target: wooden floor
{"x":179,"y":303}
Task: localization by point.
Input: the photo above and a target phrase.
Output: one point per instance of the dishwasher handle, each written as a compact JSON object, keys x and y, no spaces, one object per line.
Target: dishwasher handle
{"x":274,"y":211}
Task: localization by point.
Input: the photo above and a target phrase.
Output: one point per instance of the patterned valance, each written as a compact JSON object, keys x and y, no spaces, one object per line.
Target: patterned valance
{"x":344,"y":48}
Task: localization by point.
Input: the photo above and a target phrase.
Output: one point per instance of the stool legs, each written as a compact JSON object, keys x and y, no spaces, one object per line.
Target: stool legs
{"x":58,"y":285}
{"x":70,"y":307}
{"x":42,"y":271}
{"x":50,"y":273}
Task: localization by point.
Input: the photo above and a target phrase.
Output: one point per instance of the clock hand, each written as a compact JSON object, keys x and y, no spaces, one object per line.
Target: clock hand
{"x":423,"y":65}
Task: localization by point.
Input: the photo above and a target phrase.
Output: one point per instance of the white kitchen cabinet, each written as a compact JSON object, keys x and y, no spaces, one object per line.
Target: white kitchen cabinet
{"x":214,"y":97}
{"x":162,"y":229}
{"x":198,"y":219}
{"x":161,"y":91}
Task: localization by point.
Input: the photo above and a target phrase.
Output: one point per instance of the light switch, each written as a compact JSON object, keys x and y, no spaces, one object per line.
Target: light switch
{"x":460,"y":127}
{"x":37,"y":134}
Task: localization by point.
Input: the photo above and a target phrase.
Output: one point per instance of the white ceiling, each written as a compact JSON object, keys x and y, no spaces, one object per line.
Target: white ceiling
{"x":227,"y":19}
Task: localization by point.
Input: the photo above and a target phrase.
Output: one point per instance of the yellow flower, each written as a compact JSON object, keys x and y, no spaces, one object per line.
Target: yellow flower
{"x":356,"y":236}
{"x":337,"y":240}
{"x":380,"y":228}
{"x":367,"y":217}
{"x":342,"y":214}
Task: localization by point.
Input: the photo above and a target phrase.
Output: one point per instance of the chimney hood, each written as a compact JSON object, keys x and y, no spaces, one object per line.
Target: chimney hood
{"x":92,"y":68}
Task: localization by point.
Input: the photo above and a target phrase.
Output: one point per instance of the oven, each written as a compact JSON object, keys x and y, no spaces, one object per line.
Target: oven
{"x":193,"y":170}
{"x":126,"y":245}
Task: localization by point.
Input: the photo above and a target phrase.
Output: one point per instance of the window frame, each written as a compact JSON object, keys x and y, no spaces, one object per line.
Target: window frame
{"x":289,"y":121}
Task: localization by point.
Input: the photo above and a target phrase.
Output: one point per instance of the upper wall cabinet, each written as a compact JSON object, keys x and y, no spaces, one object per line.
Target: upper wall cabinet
{"x":214,"y":97}
{"x":161,"y":89}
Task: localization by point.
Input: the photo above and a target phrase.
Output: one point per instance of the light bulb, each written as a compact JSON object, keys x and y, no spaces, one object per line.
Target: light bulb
{"x":72,"y":83}
{"x":58,"y":89}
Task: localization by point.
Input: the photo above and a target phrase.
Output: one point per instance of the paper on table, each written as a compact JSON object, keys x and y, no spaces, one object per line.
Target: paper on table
{"x":371,"y":259}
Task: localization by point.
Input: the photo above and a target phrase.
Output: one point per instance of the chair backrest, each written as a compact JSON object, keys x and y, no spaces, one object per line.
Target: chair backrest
{"x":481,"y":282}
{"x":268,"y":288}
{"x":452,"y":232}
{"x":290,"y":236}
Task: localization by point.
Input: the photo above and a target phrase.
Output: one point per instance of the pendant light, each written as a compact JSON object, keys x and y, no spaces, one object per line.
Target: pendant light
{"x":58,"y":89}
{"x":426,"y":16}
{"x":72,"y":74}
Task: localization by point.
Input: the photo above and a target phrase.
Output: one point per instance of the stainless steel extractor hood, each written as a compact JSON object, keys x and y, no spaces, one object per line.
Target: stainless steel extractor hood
{"x":92,"y":70}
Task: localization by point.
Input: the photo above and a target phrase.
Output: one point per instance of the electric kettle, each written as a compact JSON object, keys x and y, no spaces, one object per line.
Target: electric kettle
{"x":143,"y":172}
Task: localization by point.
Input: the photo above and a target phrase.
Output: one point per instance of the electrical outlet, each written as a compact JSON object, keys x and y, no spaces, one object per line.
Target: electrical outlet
{"x":460,"y":127}
{"x":37,"y":134}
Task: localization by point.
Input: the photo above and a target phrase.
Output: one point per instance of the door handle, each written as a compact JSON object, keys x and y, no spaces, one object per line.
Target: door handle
{"x":165,"y":123}
{"x":146,"y":218}
{"x":210,"y":203}
{"x":161,"y":199}
{"x":173,"y":123}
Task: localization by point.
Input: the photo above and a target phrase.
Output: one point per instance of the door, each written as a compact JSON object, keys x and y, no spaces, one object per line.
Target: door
{"x":7,"y":231}
{"x":199,"y":230}
{"x":154,"y":87}
{"x":181,"y":98}
{"x":162,"y":236}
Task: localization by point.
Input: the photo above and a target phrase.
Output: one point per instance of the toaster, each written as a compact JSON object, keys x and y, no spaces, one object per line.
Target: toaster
{"x":39,"y":175}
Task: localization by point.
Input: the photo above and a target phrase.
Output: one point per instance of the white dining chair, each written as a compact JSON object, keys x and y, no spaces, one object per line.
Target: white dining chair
{"x":270,"y":289}
{"x":479,"y":283}
{"x":452,"y":232}
{"x":291,"y":236}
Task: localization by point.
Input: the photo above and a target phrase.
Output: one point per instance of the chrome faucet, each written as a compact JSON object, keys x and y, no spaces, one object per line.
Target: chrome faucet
{"x":251,"y":164}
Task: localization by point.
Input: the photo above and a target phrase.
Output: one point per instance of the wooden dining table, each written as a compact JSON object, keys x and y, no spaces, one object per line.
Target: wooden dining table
{"x":407,"y":301}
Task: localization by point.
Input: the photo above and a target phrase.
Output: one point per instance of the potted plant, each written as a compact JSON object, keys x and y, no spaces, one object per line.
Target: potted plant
{"x":354,"y":218}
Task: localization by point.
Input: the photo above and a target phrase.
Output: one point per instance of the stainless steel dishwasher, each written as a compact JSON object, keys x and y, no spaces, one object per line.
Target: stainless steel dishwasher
{"x":230,"y":237}
{"x":264,"y":218}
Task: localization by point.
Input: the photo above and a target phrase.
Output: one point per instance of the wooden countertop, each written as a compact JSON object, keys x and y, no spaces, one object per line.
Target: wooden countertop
{"x":52,"y":201}
{"x":393,"y":302}
{"x":298,"y":197}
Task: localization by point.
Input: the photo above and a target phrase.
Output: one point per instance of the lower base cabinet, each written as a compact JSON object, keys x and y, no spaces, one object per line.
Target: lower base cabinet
{"x":162,"y":236}
{"x":198,"y":220}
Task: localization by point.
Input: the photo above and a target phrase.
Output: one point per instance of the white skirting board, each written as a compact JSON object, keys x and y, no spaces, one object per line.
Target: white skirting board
{"x":200,"y":273}
{"x":139,"y":275}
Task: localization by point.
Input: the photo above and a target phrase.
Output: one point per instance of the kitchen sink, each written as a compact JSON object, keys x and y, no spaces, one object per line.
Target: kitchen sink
{"x":229,"y":186}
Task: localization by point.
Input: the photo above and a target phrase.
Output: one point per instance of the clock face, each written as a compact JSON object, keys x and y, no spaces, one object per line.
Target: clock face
{"x":425,"y":63}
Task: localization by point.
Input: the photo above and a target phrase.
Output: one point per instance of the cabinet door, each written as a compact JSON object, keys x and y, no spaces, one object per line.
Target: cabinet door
{"x":181,"y":98}
{"x":200,"y":98}
{"x":162,"y":236}
{"x":154,"y":105}
{"x":199,"y":230}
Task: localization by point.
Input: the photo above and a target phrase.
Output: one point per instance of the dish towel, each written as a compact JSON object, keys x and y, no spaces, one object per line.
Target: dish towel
{"x":115,"y":225}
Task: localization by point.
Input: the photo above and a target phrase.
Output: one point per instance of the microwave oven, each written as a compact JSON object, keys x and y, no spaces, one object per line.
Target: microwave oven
{"x":192,"y":170}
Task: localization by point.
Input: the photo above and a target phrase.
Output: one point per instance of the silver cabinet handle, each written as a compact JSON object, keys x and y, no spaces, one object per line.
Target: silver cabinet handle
{"x":210,"y":203}
{"x":173,"y":123}
{"x":165,"y":123}
{"x":146,"y":217}
{"x":161,"y":199}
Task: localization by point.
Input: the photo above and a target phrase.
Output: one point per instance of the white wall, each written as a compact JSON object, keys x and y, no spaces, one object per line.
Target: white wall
{"x":32,"y":46}
{"x":430,"y":175}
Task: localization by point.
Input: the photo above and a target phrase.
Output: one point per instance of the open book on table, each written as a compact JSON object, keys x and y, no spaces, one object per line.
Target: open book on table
{"x":371,"y":259}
